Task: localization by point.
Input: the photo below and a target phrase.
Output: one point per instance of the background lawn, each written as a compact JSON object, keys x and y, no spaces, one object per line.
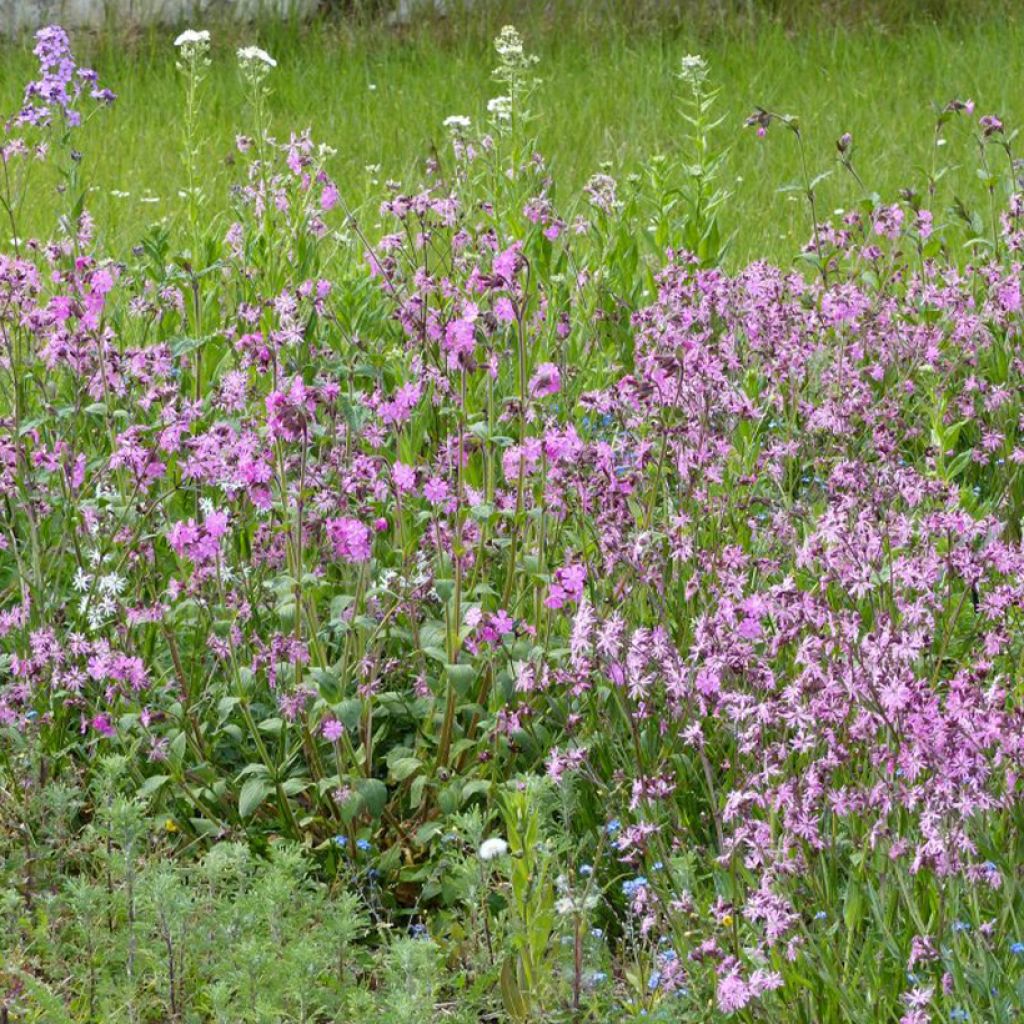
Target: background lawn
{"x":609,"y":100}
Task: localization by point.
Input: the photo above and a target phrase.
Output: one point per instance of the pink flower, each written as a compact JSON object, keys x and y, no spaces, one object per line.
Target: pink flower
{"x":102,"y":725}
{"x":329,"y":196}
{"x":567,"y":586}
{"x":749,"y":629}
{"x":182,"y":535}
{"x":332,"y":730}
{"x":733,"y":993}
{"x":351,"y":539}
{"x":404,"y":478}
{"x":504,"y":310}
{"x":546,"y":380}
{"x":216,"y":524}
{"x":502,"y":622}
{"x":435,"y":490}
{"x":507,"y":263}
{"x":459,"y":341}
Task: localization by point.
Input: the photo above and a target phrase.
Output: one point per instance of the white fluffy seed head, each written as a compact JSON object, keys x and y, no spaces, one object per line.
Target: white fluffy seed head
{"x":491,"y":849}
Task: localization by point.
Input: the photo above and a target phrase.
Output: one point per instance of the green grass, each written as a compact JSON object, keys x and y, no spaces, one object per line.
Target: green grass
{"x":609,"y":95}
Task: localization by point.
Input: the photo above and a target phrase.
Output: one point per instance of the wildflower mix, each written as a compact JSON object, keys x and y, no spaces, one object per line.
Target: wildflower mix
{"x":665,"y":616}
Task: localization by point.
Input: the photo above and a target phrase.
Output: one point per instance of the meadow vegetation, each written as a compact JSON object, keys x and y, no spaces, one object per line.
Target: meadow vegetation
{"x":500,"y":587}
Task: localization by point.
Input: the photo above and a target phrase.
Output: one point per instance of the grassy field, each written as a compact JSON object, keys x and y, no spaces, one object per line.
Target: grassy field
{"x":609,"y":97}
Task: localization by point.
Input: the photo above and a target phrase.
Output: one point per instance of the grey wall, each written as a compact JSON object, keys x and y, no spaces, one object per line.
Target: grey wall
{"x":18,"y":16}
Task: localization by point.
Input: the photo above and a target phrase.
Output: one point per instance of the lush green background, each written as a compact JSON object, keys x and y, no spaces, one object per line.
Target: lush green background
{"x":379,"y":95}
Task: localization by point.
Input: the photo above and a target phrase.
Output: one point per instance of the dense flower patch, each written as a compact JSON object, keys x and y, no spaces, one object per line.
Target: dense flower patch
{"x":643,"y":636}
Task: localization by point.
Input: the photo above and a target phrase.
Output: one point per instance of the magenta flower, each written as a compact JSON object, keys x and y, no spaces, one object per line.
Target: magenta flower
{"x":404,"y":478}
{"x":733,"y":993}
{"x":459,"y":341}
{"x":102,"y":725}
{"x":351,"y":539}
{"x":332,"y":730}
{"x":546,"y":380}
{"x":435,"y":490}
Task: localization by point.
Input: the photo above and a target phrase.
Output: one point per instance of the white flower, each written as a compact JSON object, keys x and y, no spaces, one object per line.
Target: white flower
{"x":252,"y":54}
{"x":509,"y":44}
{"x":82,"y":580}
{"x":190,"y":37}
{"x":112,"y":585}
{"x":500,"y":107}
{"x":457,"y":123}
{"x":693,"y":70}
{"x":490,"y":849}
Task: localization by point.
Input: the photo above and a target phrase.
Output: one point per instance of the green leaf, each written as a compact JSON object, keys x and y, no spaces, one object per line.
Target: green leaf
{"x":436,"y":654}
{"x":152,"y":786}
{"x":853,"y":907}
{"x":427,"y":831}
{"x":204,"y":827}
{"x":182,"y":346}
{"x":474,"y":788}
{"x":225,"y":706}
{"x":373,"y":794}
{"x":416,"y":792}
{"x":327,"y":681}
{"x":350,"y":712}
{"x":461,"y":677}
{"x":176,"y":750}
{"x":450,"y":797}
{"x":403,"y":767}
{"x":296,"y":785}
{"x":515,"y":1005}
{"x":253,"y":793}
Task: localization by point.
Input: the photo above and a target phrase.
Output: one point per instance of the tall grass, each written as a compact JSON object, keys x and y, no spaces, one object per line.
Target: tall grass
{"x":379,"y":95}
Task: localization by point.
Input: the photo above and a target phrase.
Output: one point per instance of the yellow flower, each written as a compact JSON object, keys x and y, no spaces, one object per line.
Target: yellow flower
{"x":171,"y":825}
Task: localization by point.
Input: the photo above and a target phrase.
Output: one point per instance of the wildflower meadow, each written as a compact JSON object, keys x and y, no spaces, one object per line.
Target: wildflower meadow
{"x":494,"y":600}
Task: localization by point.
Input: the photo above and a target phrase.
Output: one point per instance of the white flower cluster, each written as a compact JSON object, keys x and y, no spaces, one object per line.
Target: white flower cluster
{"x":108,"y":588}
{"x":574,"y":902}
{"x":500,"y":108}
{"x":694,"y":70}
{"x":254,"y":55}
{"x":457,"y":124}
{"x":513,"y":71}
{"x":509,"y":46}
{"x":255,"y":65}
{"x":194,"y":47}
{"x":395,"y":582}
